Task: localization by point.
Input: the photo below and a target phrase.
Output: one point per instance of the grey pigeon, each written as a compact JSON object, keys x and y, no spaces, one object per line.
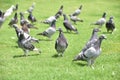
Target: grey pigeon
{"x":26,"y":45}
{"x":75,"y":19}
{"x":61,"y":43}
{"x":14,"y":20}
{"x":50,"y":19}
{"x":110,"y":26}
{"x":31,"y":8}
{"x":60,"y":12}
{"x":2,"y":18}
{"x":31,"y":18}
{"x":49,"y":31}
{"x":91,"y":53}
{"x":77,"y":12}
{"x":68,"y":25}
{"x":101,"y":21}
{"x":92,"y":39}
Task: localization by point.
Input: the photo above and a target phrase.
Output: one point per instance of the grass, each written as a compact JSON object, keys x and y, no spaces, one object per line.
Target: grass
{"x":48,"y":67}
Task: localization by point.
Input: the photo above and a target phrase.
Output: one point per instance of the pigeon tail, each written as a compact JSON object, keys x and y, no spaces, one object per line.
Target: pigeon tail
{"x":104,"y":15}
{"x":78,"y":57}
{"x":80,"y":7}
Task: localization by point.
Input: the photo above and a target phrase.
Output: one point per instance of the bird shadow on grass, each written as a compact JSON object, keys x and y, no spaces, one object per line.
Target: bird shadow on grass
{"x":18,"y":56}
{"x":45,"y":39}
{"x":55,"y":56}
{"x":70,"y":32}
{"x":106,"y":32}
{"x":80,"y":64}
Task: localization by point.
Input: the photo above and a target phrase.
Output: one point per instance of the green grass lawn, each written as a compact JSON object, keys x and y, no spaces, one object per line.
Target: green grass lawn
{"x":47,"y":67}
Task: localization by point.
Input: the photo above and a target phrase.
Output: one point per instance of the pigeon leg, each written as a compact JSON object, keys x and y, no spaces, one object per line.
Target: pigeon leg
{"x":62,"y":54}
{"x":58,"y":54}
{"x":26,"y":52}
{"x":89,"y":62}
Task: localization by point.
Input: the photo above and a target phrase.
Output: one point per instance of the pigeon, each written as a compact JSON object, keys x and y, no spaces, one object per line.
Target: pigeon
{"x":110,"y":26}
{"x":75,"y":19}
{"x":101,"y":21}
{"x":92,"y":39}
{"x":31,"y":18}
{"x":61,"y":43}
{"x":31,"y":8}
{"x":68,"y":25}
{"x":49,"y":31}
{"x":50,"y":19}
{"x":26,"y":45}
{"x":14,"y":20}
{"x":60,"y":12}
{"x":78,"y":11}
{"x":2,"y":18}
{"x":91,"y":53}
{"x":26,"y":36}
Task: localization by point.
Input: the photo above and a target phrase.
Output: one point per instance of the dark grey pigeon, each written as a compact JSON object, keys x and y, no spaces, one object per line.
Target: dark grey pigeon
{"x":68,"y":25}
{"x":77,"y":12}
{"x":91,"y":53}
{"x":26,"y":45}
{"x":14,"y":20}
{"x":61,"y":43}
{"x":101,"y":21}
{"x":31,"y":18}
{"x":50,"y":19}
{"x":110,"y":26}
{"x":75,"y":19}
{"x":60,"y":12}
{"x":49,"y":31}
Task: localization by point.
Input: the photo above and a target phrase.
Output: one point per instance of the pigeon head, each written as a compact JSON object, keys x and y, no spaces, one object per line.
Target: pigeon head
{"x":104,"y":15}
{"x":102,"y":37}
{"x":60,"y":29}
{"x":96,"y":30}
{"x":76,"y":31}
{"x":21,"y":14}
{"x":65,"y":17}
